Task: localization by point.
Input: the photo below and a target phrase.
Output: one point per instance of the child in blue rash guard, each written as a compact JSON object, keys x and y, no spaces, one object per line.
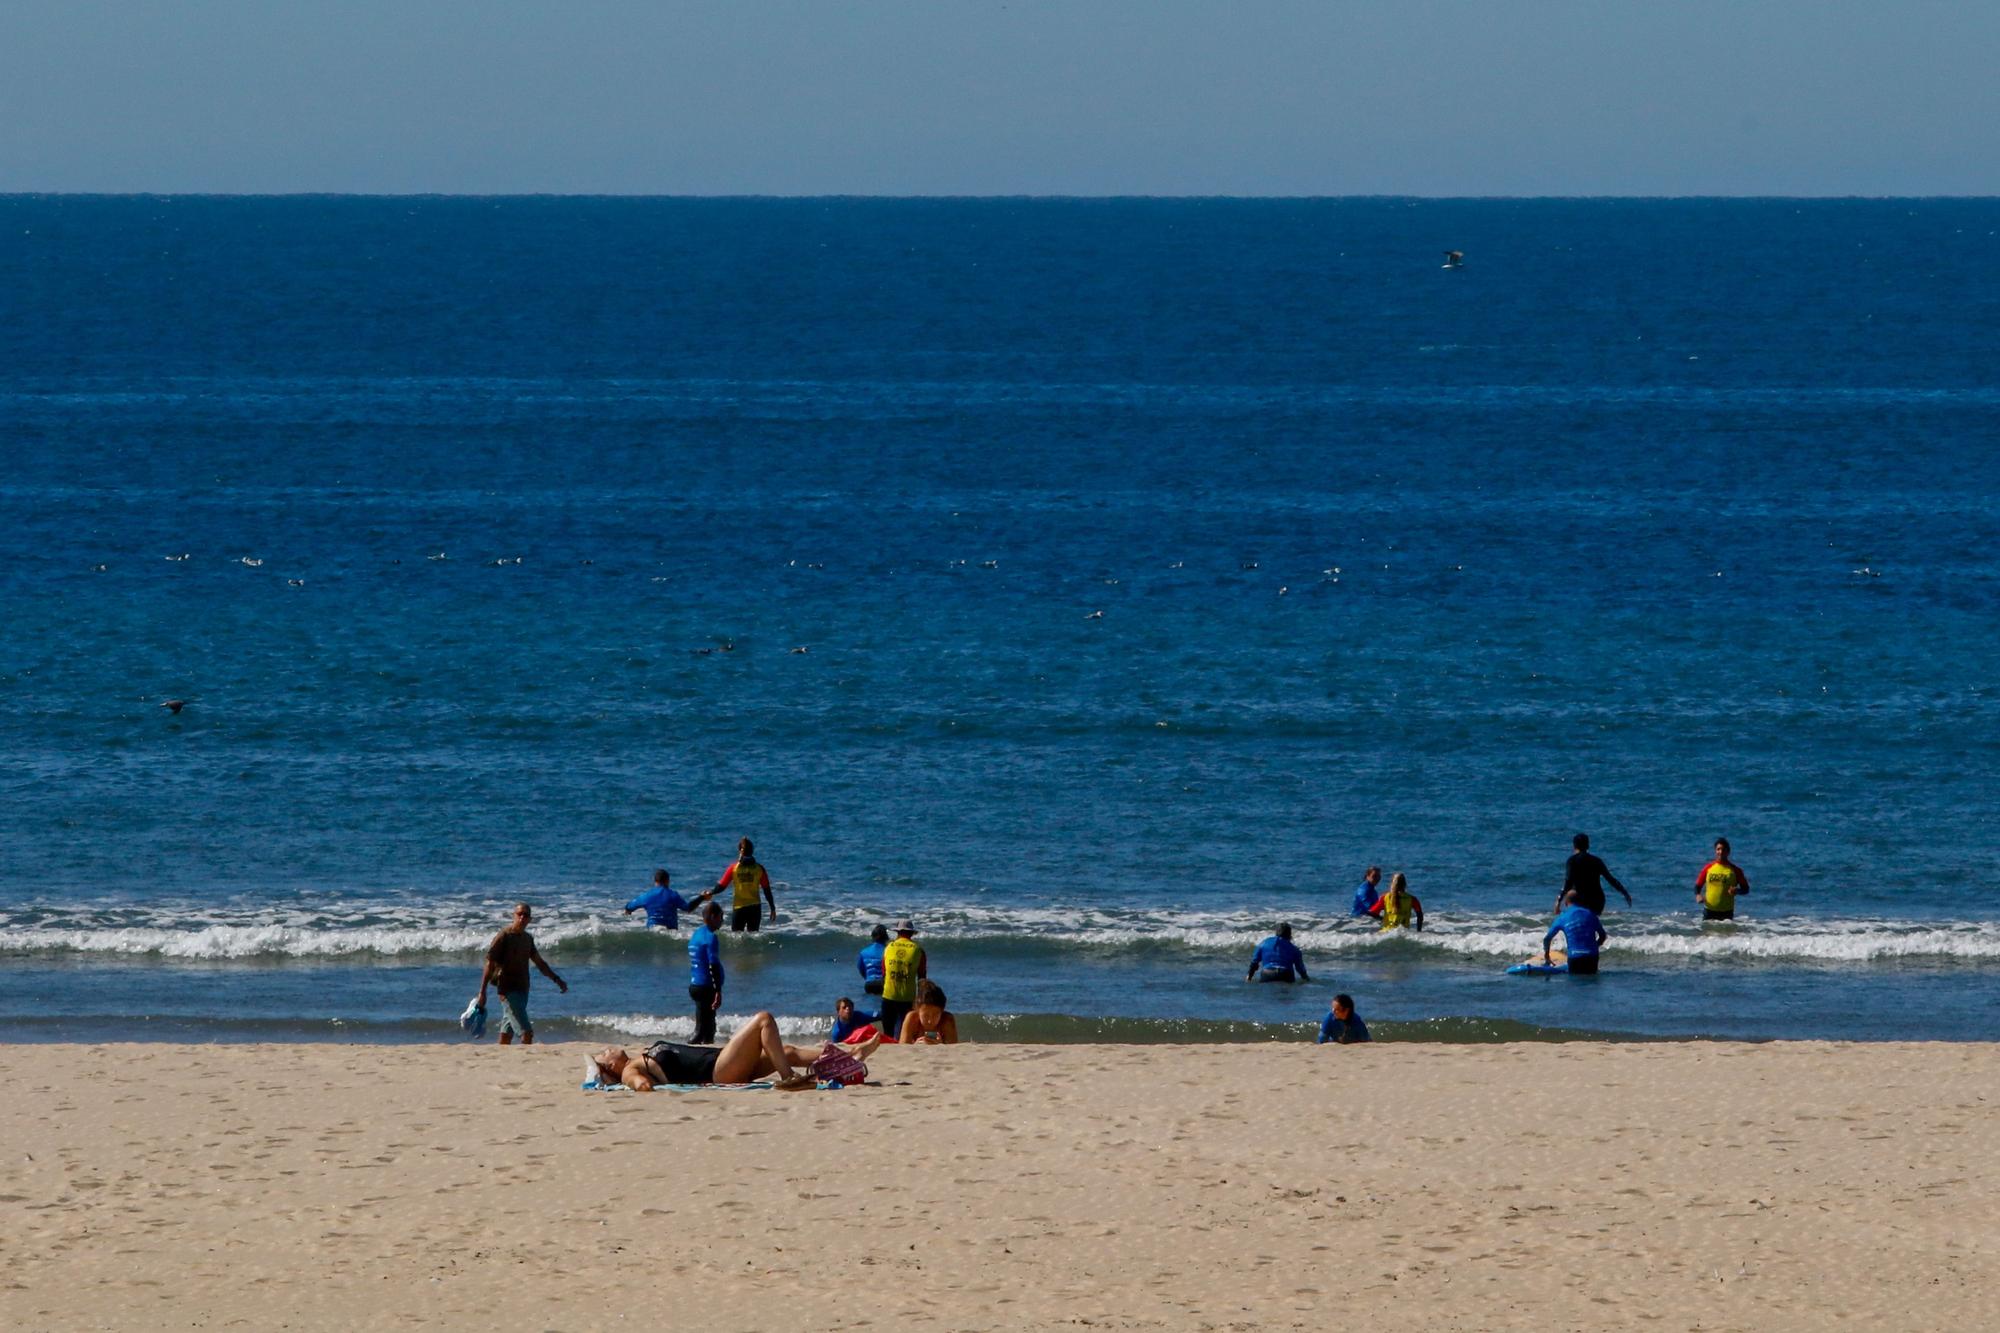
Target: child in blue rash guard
{"x":662,"y":905}
{"x":1582,"y":932}
{"x":705,"y":973}
{"x":1278,"y":959}
{"x":847,"y":1019}
{"x":1342,"y":1024}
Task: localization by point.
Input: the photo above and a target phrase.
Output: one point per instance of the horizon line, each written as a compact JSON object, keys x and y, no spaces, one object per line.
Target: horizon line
{"x":1024,"y":197}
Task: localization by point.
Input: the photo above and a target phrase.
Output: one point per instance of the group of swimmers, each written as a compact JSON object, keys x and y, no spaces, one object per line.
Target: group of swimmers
{"x":911,"y":1007}
{"x":1579,"y":909}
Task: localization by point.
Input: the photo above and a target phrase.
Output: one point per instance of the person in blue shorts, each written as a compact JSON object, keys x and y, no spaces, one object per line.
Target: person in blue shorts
{"x":1368,"y":894}
{"x":1341,"y":1024}
{"x":1582,"y":933}
{"x":1278,"y":959}
{"x":662,"y":905}
{"x":869,"y":961}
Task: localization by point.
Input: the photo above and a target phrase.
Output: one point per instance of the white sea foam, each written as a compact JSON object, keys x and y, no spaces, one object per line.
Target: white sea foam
{"x":382,"y":930}
{"x":654,"y":1027}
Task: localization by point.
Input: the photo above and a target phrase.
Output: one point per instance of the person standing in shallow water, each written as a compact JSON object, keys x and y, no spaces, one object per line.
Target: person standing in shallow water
{"x":1278,"y":959}
{"x":1369,"y":894}
{"x":1719,"y":884}
{"x":869,"y":961}
{"x":506,"y":968}
{"x":745,"y":878}
{"x":1581,"y":876}
{"x":705,"y":973}
{"x":663,"y":906}
{"x":903,"y":967}
{"x":1399,"y":908}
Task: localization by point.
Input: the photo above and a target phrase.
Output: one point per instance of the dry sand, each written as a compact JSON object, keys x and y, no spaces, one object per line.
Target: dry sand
{"x":1270,"y":1187}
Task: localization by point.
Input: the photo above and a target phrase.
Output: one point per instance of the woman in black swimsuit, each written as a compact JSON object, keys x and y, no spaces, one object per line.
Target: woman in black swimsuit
{"x":752,"y":1052}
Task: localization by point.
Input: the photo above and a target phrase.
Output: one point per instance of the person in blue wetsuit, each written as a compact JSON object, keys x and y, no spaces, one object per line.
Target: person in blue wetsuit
{"x":705,"y":973}
{"x":1582,"y":933}
{"x":1342,"y":1024}
{"x":1278,"y":959}
{"x":847,"y":1020}
{"x":663,"y":906}
{"x":1368,"y":894}
{"x":869,"y":961}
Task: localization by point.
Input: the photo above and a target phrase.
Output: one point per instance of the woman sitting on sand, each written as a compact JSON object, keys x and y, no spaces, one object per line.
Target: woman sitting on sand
{"x":752,"y":1052}
{"x":929,"y":1023}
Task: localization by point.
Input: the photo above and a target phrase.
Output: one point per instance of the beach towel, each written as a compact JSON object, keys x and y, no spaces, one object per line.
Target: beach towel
{"x":473,"y":1020}
{"x":598,"y":1085}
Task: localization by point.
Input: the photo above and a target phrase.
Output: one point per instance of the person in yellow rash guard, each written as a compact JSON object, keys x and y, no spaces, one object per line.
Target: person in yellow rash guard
{"x":745,"y":878}
{"x":1399,"y":907}
{"x":1719,"y":884}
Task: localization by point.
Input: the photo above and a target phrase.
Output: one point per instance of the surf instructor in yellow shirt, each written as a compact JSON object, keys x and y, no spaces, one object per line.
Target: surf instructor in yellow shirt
{"x":1719,"y":885}
{"x":746,"y":879}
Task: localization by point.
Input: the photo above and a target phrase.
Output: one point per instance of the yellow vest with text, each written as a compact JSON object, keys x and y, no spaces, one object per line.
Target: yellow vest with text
{"x":899,"y":970}
{"x":1398,"y":909}
{"x":1719,"y":887}
{"x":748,"y":881}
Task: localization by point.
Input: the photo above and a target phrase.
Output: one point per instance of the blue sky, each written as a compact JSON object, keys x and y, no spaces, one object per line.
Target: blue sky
{"x":1440,"y":97}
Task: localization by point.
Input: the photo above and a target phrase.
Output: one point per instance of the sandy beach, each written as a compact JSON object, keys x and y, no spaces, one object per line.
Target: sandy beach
{"x":1699,"y":1186}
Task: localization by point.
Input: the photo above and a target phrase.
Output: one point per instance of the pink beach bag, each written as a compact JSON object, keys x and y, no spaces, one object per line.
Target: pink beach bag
{"x":837,"y":1066}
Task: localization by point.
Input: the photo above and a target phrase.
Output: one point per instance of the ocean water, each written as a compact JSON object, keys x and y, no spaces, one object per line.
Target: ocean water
{"x":1158,"y":565}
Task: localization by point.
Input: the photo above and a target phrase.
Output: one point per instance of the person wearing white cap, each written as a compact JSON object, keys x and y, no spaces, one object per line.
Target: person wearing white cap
{"x":903,"y":966}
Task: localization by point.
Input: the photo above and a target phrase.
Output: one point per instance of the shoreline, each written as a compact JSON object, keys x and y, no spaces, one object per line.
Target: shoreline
{"x":1686,"y":1184}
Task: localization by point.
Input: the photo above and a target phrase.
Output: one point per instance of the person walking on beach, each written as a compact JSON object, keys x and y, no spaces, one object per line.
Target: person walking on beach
{"x":662,"y":905}
{"x":869,"y":961}
{"x":506,"y":969}
{"x":903,"y":966}
{"x":1342,"y":1024}
{"x":746,"y":878}
{"x":1369,"y":894}
{"x":1278,"y":959}
{"x":705,"y":973}
{"x":1583,"y":934}
{"x":1581,"y":876}
{"x":1399,"y":907}
{"x":1719,"y":885}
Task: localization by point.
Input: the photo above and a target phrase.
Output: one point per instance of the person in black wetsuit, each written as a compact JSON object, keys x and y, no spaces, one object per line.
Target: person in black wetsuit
{"x":1581,"y":876}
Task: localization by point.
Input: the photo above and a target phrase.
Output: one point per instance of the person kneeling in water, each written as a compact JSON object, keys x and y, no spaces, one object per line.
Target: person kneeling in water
{"x":1582,"y":933}
{"x":1278,"y":959}
{"x":929,"y":1023}
{"x":752,"y":1052}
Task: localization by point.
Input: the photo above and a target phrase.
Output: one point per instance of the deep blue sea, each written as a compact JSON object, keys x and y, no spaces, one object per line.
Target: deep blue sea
{"x":1098,"y":582}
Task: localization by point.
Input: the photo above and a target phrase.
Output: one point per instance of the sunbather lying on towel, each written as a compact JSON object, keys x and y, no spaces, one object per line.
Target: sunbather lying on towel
{"x":752,"y":1052}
